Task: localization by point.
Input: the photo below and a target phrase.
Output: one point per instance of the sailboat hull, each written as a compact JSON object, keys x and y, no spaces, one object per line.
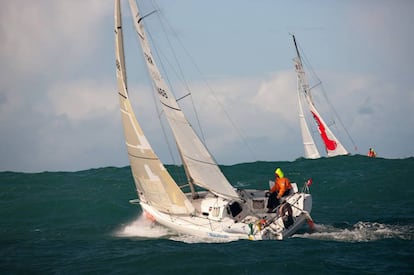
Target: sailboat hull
{"x":250,"y":224}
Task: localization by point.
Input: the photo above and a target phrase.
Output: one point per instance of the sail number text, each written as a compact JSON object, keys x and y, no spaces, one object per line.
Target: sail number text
{"x":162,"y":92}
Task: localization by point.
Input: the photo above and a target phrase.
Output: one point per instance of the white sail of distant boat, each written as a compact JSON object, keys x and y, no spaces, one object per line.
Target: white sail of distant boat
{"x":333,"y":146}
{"x":220,"y":211}
{"x":311,"y":150}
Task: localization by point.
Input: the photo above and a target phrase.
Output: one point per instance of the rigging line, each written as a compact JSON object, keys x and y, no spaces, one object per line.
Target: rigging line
{"x":339,"y":119}
{"x":160,"y":113}
{"x":200,"y":161}
{"x":218,"y":101}
{"x":229,"y":118}
{"x":209,"y":87}
{"x":161,"y":19}
{"x":181,"y":73}
{"x":316,"y":85}
{"x":157,"y":102}
{"x":158,"y":52}
{"x":309,"y":65}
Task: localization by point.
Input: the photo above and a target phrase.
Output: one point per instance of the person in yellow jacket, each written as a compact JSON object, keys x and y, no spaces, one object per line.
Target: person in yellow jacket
{"x":280,"y":189}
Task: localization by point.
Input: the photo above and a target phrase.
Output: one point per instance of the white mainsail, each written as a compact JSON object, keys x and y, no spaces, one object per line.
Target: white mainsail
{"x":311,"y":150}
{"x":332,"y":145}
{"x":154,"y":184}
{"x":200,"y":165}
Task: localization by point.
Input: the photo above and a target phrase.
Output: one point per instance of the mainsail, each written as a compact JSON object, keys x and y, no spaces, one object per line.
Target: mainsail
{"x":332,"y":145}
{"x":200,"y":165}
{"x":154,"y":184}
{"x":311,"y":151}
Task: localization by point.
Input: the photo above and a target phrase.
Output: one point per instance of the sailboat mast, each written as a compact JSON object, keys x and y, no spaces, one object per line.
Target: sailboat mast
{"x":296,"y":47}
{"x":190,"y":180}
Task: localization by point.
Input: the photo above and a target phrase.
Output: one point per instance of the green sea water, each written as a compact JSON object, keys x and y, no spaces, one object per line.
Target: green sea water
{"x":82,"y":223}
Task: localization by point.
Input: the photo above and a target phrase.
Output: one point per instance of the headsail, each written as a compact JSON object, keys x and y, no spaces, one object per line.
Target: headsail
{"x":154,"y":185}
{"x":332,"y":145}
{"x":200,"y":165}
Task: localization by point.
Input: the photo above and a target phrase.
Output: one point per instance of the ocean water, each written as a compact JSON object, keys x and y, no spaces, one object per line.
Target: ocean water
{"x":81,"y":222}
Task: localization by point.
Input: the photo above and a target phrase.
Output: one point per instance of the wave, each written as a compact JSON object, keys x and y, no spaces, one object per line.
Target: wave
{"x":360,"y":188}
{"x":360,"y":232}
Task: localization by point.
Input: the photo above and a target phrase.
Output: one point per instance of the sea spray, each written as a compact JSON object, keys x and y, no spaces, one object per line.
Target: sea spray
{"x":143,"y":228}
{"x":360,"y":232}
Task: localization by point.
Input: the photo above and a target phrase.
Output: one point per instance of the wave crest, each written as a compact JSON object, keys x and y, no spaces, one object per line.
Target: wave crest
{"x":361,"y":232}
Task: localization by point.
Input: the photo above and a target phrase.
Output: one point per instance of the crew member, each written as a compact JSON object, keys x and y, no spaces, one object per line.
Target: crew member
{"x":371,"y":153}
{"x":280,"y":189}
{"x":285,"y":211}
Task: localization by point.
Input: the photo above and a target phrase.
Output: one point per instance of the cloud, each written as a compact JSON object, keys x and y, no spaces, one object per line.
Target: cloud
{"x":45,"y":100}
{"x":385,"y":28}
{"x":83,"y":99}
{"x":38,"y":35}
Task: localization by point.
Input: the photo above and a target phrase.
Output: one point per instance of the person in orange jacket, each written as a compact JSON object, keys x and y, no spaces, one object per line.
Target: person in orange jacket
{"x":280,"y":189}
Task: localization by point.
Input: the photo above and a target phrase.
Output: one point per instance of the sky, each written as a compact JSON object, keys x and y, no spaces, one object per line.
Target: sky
{"x":59,"y":109}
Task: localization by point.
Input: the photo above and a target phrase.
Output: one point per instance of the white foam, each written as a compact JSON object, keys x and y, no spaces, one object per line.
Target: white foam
{"x":143,"y":228}
{"x":360,"y":232}
{"x":241,"y":184}
{"x":194,"y":239}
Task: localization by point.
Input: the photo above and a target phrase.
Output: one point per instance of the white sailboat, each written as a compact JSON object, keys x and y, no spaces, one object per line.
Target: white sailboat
{"x":332,"y":145}
{"x":219,"y":212}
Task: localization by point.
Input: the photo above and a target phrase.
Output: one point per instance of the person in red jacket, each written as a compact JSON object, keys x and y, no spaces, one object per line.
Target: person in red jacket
{"x":371,"y":153}
{"x":280,"y":189}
